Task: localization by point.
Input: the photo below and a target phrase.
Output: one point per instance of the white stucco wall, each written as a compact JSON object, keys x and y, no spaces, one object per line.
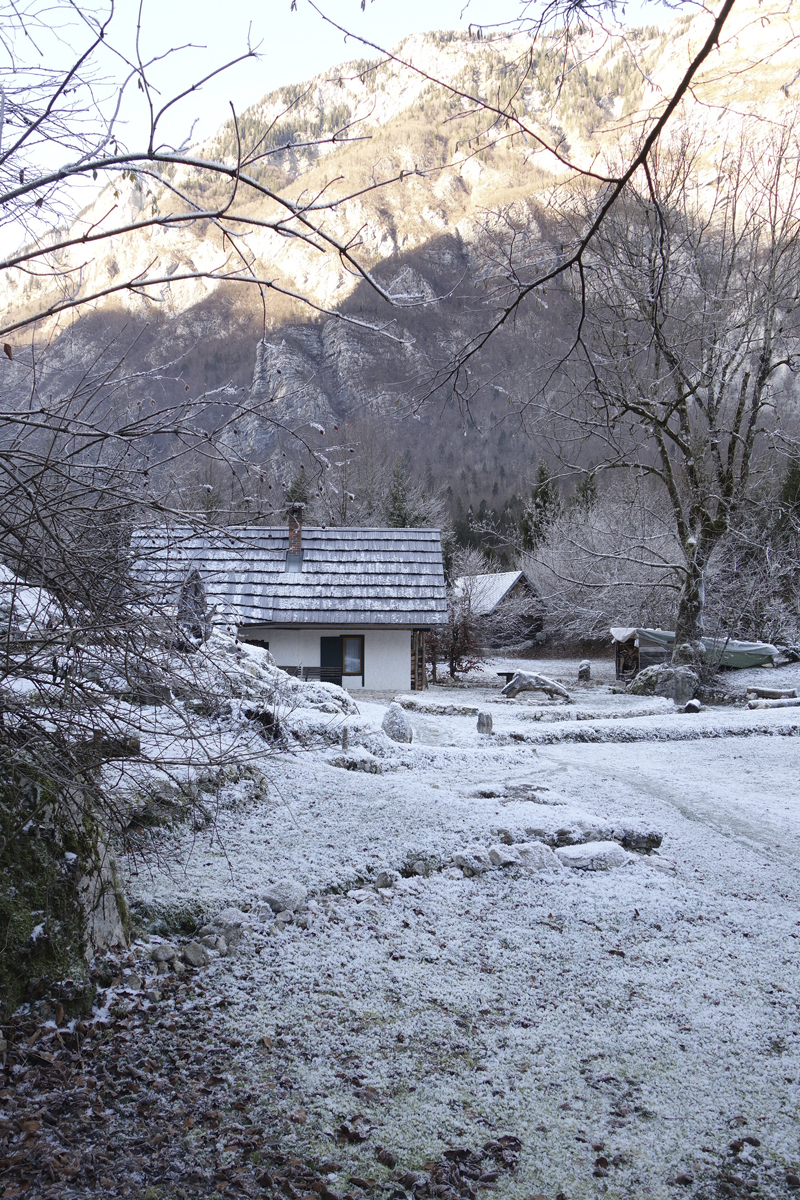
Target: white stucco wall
{"x":387,"y":653}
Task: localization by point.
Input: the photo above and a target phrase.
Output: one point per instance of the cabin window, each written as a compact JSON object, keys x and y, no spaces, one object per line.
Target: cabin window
{"x":352,"y":656}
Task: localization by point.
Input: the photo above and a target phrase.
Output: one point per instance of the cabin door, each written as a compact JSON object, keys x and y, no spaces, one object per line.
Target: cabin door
{"x":330,"y":659}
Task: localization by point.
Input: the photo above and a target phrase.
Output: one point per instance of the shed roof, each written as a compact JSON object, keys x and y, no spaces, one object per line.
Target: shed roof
{"x":487,"y":591}
{"x":380,"y":577}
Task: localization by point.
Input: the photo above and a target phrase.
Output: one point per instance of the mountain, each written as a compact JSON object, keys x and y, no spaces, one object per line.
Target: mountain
{"x":436,"y":239}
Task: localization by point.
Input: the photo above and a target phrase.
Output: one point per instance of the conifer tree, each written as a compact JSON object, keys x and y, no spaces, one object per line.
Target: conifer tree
{"x":542,"y":508}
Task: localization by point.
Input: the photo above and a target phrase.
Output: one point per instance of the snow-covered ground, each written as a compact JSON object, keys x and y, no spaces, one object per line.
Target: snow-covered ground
{"x":644,"y":1017}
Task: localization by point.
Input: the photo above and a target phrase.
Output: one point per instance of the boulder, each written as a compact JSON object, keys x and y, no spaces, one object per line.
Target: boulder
{"x":584,"y":671}
{"x":103,"y":904}
{"x":556,"y":834}
{"x":195,"y":955}
{"x":286,"y":895}
{"x":473,"y":860}
{"x":593,"y":856}
{"x":680,"y":684}
{"x":537,"y":857}
{"x":643,"y":839}
{"x":504,"y":856}
{"x":484,"y":722}
{"x":163,"y":953}
{"x":396,"y":724}
{"x":231,"y":923}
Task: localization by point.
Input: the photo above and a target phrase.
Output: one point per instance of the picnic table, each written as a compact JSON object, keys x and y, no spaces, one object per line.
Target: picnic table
{"x":507,"y":675}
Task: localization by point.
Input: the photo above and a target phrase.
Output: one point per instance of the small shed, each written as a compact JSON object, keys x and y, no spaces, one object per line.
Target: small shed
{"x":639,"y":648}
{"x":490,"y":594}
{"x":350,"y":606}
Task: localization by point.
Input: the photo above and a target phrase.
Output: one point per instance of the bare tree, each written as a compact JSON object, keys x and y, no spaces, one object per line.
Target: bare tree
{"x":689,"y":336}
{"x":61,"y":140}
{"x":552,"y":42}
{"x":458,"y":643}
{"x":611,"y":562}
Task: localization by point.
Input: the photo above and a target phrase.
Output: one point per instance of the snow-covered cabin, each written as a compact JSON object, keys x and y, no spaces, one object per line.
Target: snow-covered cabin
{"x":486,"y":592}
{"x":490,"y":594}
{"x":350,"y":606}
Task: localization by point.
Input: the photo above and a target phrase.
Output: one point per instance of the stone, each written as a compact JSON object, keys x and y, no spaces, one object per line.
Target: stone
{"x":285,"y":917}
{"x":195,"y":955}
{"x":641,"y":839}
{"x":221,"y":946}
{"x":473,"y":860}
{"x":561,"y":835}
{"x":163,"y":953}
{"x":676,"y":683}
{"x":286,"y":894}
{"x":360,"y":895}
{"x":537,"y":857}
{"x":358,"y":759}
{"x":504,"y":856}
{"x":153,"y":996}
{"x":103,"y":904}
{"x":593,"y":856}
{"x":692,"y":706}
{"x":133,"y":981}
{"x":231,"y":918}
{"x":484,"y":722}
{"x":209,"y":940}
{"x":396,"y":724}
{"x":584,"y":671}
{"x":386,"y":879}
{"x":230,"y":924}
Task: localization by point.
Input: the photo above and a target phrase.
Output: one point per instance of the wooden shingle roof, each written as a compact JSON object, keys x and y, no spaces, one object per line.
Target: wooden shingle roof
{"x":487,"y":591}
{"x":379,"y":577}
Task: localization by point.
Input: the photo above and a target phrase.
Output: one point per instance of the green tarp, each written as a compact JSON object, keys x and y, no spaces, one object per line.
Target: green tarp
{"x":722,"y":651}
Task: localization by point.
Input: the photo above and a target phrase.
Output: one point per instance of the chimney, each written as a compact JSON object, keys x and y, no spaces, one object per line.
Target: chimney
{"x":294,"y":555}
{"x":296,"y":529}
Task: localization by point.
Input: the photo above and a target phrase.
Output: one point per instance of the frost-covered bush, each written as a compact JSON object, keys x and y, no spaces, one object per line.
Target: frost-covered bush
{"x":607,"y":563}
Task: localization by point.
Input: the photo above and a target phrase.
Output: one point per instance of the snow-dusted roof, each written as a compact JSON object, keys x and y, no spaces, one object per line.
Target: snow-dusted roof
{"x":379,"y":577}
{"x":487,"y":591}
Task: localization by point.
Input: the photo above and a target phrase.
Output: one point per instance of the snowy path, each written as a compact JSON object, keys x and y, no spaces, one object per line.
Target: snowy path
{"x":652,"y":1009}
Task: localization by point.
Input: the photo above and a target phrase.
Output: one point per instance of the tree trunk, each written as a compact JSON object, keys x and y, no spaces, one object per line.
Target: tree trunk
{"x":688,"y":648}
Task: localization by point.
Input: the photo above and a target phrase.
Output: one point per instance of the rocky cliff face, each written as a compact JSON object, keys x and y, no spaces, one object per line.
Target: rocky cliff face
{"x":436,"y":240}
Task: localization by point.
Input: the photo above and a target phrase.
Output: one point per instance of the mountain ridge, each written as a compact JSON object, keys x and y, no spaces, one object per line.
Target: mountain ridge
{"x":439,"y":231}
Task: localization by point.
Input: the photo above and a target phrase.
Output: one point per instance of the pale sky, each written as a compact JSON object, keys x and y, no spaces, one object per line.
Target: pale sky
{"x":294,"y":45}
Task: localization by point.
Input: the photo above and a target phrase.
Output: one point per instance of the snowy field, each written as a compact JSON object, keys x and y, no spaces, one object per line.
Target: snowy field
{"x":636,"y":1028}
